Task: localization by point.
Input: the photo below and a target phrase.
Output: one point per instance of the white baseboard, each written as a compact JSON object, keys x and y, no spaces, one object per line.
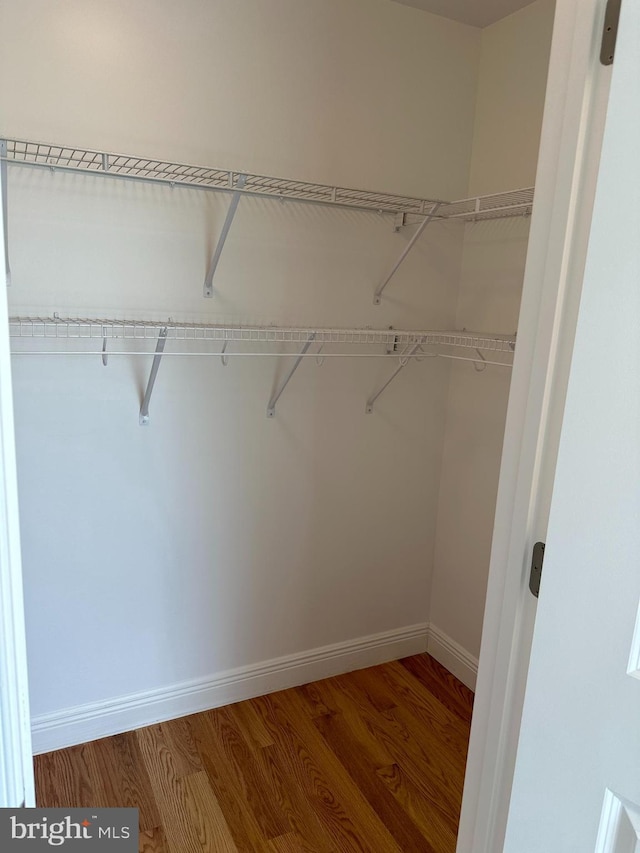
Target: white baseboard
{"x":452,"y":656}
{"x":100,"y":719}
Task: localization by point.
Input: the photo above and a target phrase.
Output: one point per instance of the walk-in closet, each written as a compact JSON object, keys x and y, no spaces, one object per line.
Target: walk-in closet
{"x":265,"y":262}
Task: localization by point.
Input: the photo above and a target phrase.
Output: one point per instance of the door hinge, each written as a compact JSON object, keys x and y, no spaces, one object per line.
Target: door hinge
{"x":536,"y":568}
{"x":610,"y":31}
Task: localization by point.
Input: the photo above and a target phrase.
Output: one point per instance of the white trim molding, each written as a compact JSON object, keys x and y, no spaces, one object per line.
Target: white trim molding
{"x":16,"y":770}
{"x":82,"y":723}
{"x":575,"y":109}
{"x":453,"y":656}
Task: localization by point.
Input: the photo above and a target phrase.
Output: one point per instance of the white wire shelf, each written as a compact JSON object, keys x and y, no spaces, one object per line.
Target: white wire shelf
{"x":69,"y":158}
{"x":76,"y":336}
{"x":137,"y":330}
{"x":494,"y":206}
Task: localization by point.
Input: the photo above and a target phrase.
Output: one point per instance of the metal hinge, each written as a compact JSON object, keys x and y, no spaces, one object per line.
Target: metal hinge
{"x":535,"y":575}
{"x":610,"y":31}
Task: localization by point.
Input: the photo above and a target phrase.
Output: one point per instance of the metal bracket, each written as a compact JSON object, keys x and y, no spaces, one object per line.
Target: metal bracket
{"x":610,"y":31}
{"x":428,"y":218}
{"x":208,"y":281}
{"x":403,"y":363}
{"x":271,"y":406}
{"x":535,"y":575}
{"x":144,"y":409}
{"x":5,"y":208}
{"x":399,"y":221}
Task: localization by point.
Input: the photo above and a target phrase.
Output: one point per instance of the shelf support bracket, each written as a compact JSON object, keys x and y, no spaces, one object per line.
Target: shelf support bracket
{"x":144,"y":409}
{"x":404,"y":361}
{"x":271,"y":406}
{"x":208,"y":281}
{"x":5,"y":207}
{"x":428,"y":218}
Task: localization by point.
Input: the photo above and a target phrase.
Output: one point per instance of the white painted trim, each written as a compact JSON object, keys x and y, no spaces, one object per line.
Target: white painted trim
{"x":16,"y":768}
{"x":575,"y":109}
{"x":452,"y":656}
{"x":83,"y":723}
{"x":616,"y":811}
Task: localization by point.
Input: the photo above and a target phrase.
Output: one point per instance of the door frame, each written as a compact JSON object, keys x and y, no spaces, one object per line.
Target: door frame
{"x":16,"y":762}
{"x":573,"y":125}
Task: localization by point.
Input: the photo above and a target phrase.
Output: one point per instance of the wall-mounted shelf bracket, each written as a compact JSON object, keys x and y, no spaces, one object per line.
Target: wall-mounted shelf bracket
{"x":235,"y":199}
{"x":428,"y":218}
{"x":157,"y":358}
{"x":399,"y":221}
{"x":271,"y":407}
{"x":5,"y":208}
{"x":403,"y":363}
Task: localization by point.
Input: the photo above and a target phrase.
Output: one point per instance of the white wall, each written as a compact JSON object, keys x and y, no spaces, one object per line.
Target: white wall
{"x":511,"y":90}
{"x":215,"y":538}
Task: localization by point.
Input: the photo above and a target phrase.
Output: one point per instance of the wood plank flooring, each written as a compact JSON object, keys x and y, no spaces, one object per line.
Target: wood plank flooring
{"x":372,"y":762}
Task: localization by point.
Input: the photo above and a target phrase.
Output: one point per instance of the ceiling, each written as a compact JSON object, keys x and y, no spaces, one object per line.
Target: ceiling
{"x":478,"y":13}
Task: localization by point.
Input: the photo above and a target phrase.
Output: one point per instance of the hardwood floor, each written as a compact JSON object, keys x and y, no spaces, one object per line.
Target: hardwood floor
{"x":372,"y":761}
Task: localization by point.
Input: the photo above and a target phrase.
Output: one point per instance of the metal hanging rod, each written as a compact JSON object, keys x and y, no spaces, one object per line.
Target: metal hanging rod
{"x":174,"y":354}
{"x":70,"y":158}
{"x":392,"y":339}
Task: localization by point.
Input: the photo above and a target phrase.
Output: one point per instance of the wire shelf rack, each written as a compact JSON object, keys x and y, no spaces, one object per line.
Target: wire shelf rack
{"x":137,"y":330}
{"x":69,"y":158}
{"x":495,"y":206}
{"x":73,"y":159}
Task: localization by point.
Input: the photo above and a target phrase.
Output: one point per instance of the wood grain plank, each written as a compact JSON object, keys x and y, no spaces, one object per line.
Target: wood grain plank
{"x":253,"y":785}
{"x":313,"y":699}
{"x":361,"y":766}
{"x":253,"y":729}
{"x":121,"y":779}
{"x":293,"y":803}
{"x":343,"y":811}
{"x":186,"y":758}
{"x":153,"y":841}
{"x":356,"y":711}
{"x":441,"y":785}
{"x":447,"y":733}
{"x":371,"y":684}
{"x":64,"y":779}
{"x":439,"y":832}
{"x":170,"y":795}
{"x":453,"y":694}
{"x":227,"y":788}
{"x":368,"y":762}
{"x":211,"y":827}
{"x":290,"y":843}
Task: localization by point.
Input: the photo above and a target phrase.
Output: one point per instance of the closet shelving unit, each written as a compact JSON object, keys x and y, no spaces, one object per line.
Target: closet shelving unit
{"x":225,"y":341}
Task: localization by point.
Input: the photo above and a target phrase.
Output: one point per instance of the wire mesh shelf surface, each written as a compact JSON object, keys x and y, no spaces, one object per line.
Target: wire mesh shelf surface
{"x":75,"y":159}
{"x":71,"y":158}
{"x":495,"y":206}
{"x":397,"y":339}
